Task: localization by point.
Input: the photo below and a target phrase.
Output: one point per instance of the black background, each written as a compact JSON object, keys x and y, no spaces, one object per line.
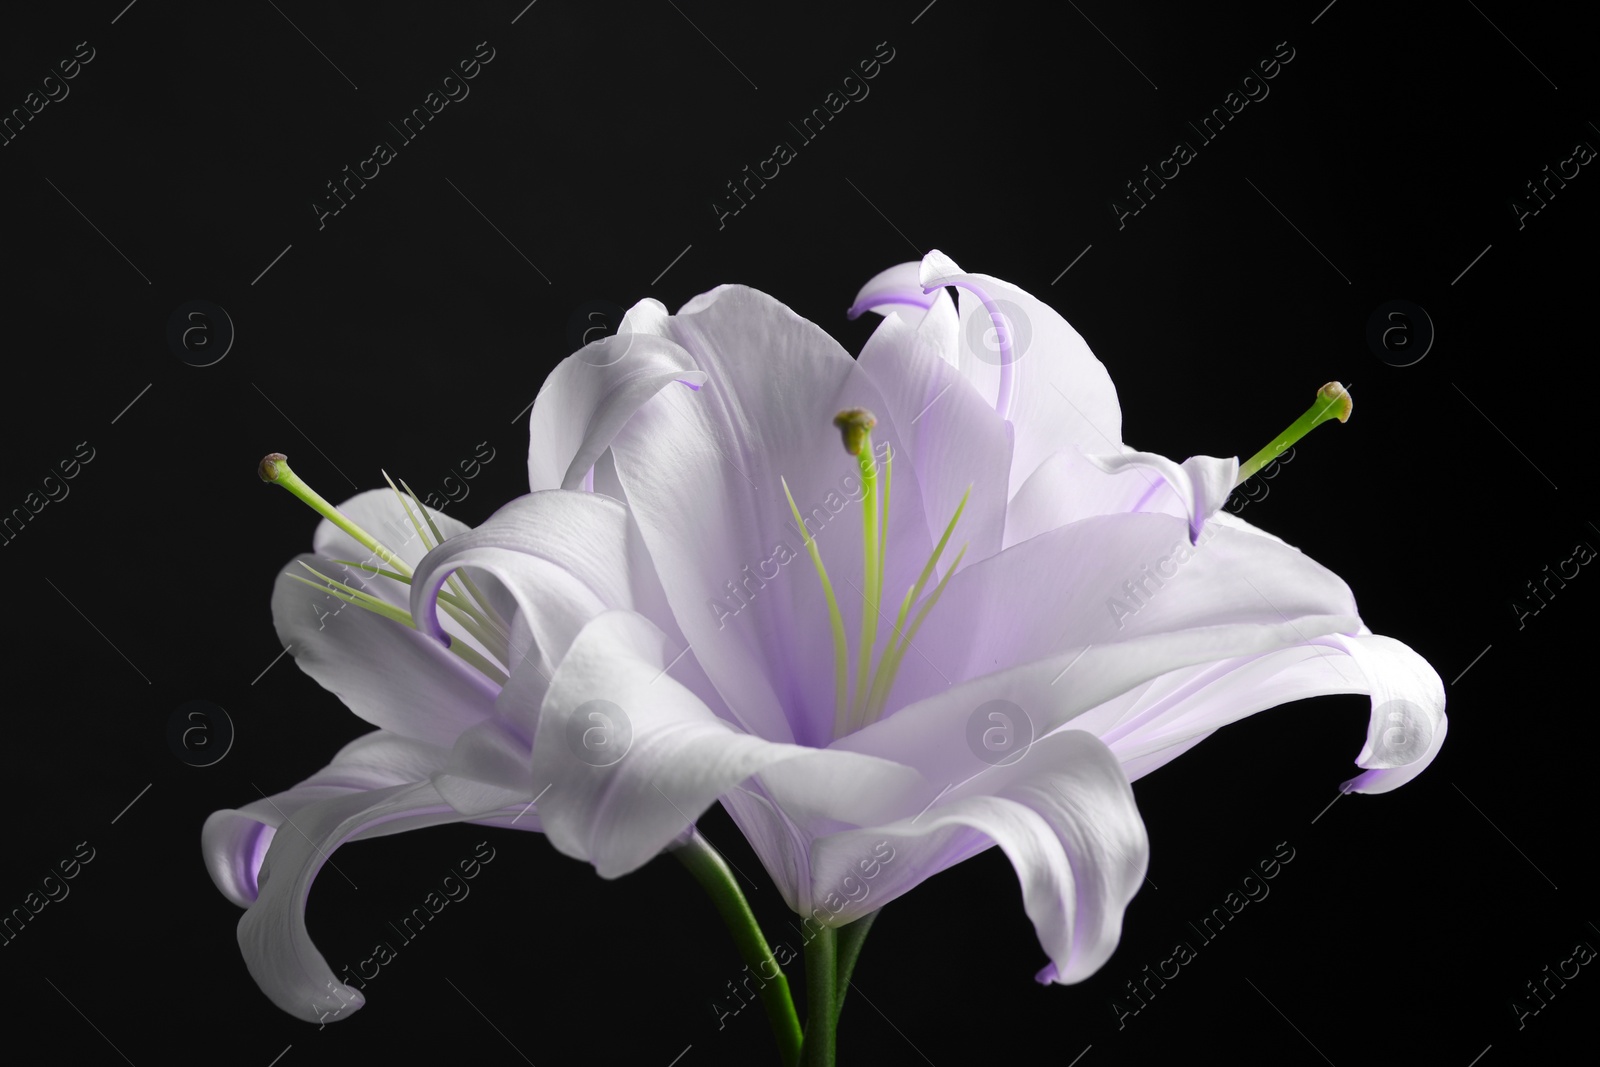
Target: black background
{"x":414,"y":325}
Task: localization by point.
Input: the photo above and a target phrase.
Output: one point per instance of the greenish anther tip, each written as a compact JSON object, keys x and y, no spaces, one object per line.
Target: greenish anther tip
{"x":855,"y":426}
{"x":272,"y":466}
{"x":1339,"y":402}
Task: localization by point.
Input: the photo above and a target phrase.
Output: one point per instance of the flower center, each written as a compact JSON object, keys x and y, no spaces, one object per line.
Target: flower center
{"x":463,"y":601}
{"x":862,"y":702}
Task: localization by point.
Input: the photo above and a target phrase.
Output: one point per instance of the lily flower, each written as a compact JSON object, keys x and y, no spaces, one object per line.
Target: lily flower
{"x":971,"y":626}
{"x":454,"y":734}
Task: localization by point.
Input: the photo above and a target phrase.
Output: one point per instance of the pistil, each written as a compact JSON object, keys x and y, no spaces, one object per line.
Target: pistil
{"x":855,"y":427}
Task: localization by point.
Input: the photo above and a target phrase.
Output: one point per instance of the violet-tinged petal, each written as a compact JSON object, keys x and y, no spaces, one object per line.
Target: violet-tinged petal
{"x":1195,"y":489}
{"x":1406,"y":727}
{"x":1062,"y":394}
{"x":704,"y":475}
{"x":234,"y":841}
{"x":1070,"y":486}
{"x":952,"y":440}
{"x":780,"y":846}
{"x":899,"y":286}
{"x":272,"y":933}
{"x":1115,"y":579}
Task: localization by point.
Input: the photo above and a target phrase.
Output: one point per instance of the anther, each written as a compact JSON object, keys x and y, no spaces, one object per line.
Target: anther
{"x":855,"y":426}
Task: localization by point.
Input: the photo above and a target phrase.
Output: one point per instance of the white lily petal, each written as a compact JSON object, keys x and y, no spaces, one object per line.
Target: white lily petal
{"x":1117,"y":578}
{"x":387,"y":673}
{"x":235,"y":841}
{"x":1070,"y":486}
{"x":1060,"y":394}
{"x":1065,"y":817}
{"x":272,"y":933}
{"x":488,"y":769}
{"x":1406,"y":728}
{"x":1194,"y":490}
{"x":562,"y":553}
{"x":952,"y":440}
{"x":592,"y":393}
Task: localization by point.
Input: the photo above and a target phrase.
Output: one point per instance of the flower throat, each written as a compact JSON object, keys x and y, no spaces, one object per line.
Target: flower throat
{"x":860,"y":702}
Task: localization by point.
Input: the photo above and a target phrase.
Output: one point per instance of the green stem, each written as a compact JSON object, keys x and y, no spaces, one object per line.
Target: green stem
{"x":822,"y":1001}
{"x":850,"y":939}
{"x":712,"y":872}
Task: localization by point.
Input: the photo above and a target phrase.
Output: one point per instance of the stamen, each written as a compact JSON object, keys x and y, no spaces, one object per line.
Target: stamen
{"x":1333,"y":402}
{"x":274,"y":468}
{"x":427,"y":542}
{"x":883,"y":523}
{"x":840,"y":648}
{"x":383,"y":608}
{"x":443,"y":597}
{"x":454,"y":602}
{"x":884,"y":680}
{"x":891,"y":660}
{"x":360,"y":599}
{"x":493,"y":616}
{"x":374,"y":572}
{"x":474,"y":629}
{"x":472,"y":658}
